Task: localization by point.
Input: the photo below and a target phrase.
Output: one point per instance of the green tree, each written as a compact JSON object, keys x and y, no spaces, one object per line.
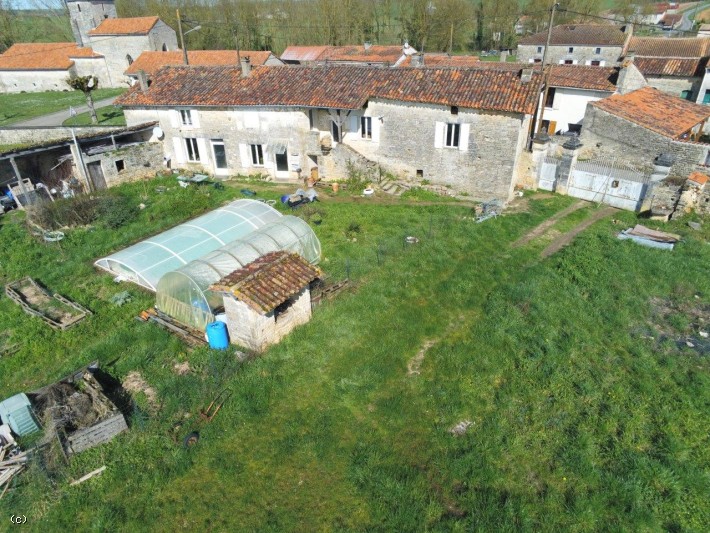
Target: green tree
{"x":86,"y":84}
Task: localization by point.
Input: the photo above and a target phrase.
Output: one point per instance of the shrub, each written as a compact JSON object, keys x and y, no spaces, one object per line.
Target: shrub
{"x":78,"y":211}
{"x":116,"y":211}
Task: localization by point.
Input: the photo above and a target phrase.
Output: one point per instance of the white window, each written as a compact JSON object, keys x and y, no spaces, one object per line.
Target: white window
{"x":597,"y":51}
{"x":366,"y":127}
{"x":193,"y":152}
{"x":257,"y":155}
{"x":453,"y":135}
{"x":186,"y":117}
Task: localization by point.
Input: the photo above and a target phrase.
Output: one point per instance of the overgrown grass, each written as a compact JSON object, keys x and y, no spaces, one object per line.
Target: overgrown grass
{"x":108,"y":116}
{"x":17,"y":107}
{"x":578,"y":423}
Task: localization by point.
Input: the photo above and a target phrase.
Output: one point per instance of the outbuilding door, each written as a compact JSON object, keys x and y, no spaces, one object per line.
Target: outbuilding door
{"x":96,"y":175}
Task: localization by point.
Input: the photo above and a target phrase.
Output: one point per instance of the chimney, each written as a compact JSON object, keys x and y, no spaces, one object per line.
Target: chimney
{"x":246,"y":66}
{"x":628,"y":28}
{"x":367,"y":45}
{"x":526,"y":75}
{"x":418,"y":60}
{"x":503,"y":56}
{"x":630,"y":78}
{"x":143,"y":80}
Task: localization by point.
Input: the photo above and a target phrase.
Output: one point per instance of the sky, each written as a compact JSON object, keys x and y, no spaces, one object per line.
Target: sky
{"x":34,"y":4}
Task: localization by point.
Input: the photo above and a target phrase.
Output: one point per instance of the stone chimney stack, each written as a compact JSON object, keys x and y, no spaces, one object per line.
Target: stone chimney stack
{"x":630,"y":77}
{"x":418,"y":60}
{"x":143,"y":80}
{"x":526,"y":75}
{"x":503,"y":56}
{"x":367,"y":45}
{"x":246,"y":66}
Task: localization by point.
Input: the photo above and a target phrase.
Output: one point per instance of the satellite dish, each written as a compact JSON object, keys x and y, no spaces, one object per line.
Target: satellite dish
{"x":158,"y":132}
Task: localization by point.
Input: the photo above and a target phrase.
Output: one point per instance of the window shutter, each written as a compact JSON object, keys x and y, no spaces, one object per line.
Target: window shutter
{"x":463,"y":139}
{"x":439,"y":135}
{"x":375,"y":129}
{"x":194,"y":115}
{"x":202,"y":149}
{"x":244,"y":155}
{"x":178,"y":152}
{"x":174,"y":118}
{"x":587,"y":62}
{"x":355,"y":124}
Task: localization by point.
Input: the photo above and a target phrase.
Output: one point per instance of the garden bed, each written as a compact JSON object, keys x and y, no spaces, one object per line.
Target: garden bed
{"x":54,"y":309}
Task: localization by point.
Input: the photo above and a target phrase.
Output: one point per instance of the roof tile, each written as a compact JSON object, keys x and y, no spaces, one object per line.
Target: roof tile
{"x":150,"y":62}
{"x":648,"y":107}
{"x":43,"y":56}
{"x":269,"y":281}
{"x":343,"y":87}
{"x":671,"y":66}
{"x":125,"y":26}
{"x":579,"y":34}
{"x":665,"y":47}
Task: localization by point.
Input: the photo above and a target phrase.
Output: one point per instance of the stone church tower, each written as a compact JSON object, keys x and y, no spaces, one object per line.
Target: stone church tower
{"x":85,"y":15}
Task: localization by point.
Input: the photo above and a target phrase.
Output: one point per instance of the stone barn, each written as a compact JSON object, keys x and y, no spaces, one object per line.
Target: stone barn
{"x":267,"y":298}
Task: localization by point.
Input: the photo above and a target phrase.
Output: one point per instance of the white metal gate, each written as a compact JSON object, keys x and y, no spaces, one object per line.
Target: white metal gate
{"x":547,"y":180}
{"x":608,"y":181}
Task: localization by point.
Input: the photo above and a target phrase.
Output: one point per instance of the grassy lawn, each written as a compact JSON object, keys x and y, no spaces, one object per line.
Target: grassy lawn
{"x":585,"y":412}
{"x":23,"y":106}
{"x":108,"y":116}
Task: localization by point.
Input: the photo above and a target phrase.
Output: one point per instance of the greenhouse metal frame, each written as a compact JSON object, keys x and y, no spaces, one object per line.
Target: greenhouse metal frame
{"x":184,"y":294}
{"x":146,"y":262}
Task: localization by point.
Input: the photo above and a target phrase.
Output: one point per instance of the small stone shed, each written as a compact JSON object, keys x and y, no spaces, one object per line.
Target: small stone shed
{"x":267,"y":298}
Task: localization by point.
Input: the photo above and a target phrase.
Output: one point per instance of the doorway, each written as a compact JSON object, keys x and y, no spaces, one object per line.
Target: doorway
{"x":96,"y":175}
{"x":282,"y":162}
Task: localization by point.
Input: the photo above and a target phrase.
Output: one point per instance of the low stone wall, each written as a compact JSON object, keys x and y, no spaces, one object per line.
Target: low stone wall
{"x":42,"y":136}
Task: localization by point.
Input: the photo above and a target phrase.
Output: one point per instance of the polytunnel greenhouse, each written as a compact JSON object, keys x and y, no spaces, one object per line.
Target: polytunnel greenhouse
{"x":184,"y":293}
{"x":146,"y":262}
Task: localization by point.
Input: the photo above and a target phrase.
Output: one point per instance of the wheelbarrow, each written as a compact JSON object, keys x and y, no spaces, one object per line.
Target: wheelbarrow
{"x":206,"y":416}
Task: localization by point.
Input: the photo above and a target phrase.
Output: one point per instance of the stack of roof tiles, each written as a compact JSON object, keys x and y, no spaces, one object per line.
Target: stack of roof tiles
{"x":648,"y":107}
{"x":344,"y":87}
{"x":269,"y":281}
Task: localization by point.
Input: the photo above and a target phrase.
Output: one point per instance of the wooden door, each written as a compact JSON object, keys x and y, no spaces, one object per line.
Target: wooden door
{"x":553,"y":127}
{"x":96,"y":175}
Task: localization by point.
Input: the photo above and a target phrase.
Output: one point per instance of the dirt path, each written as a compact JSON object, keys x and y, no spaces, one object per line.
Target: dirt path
{"x":566,"y":238}
{"x":542,"y":228}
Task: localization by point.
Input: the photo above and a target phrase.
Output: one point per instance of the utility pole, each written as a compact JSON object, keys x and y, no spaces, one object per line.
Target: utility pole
{"x":546,"y":73}
{"x":182,"y":38}
{"x":451,"y":38}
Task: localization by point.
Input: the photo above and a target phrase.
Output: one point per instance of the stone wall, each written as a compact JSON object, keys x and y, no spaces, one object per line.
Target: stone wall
{"x":31,"y":136}
{"x":676,"y":86}
{"x":256,"y":332}
{"x":608,"y":135}
{"x":85,"y":16}
{"x":137,"y":161}
{"x":16,"y":81}
{"x":581,"y":54}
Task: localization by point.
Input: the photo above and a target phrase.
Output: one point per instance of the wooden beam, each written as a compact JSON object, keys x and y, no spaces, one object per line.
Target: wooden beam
{"x":88,"y":476}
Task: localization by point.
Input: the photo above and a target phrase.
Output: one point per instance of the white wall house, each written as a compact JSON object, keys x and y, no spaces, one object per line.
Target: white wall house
{"x":287,"y":121}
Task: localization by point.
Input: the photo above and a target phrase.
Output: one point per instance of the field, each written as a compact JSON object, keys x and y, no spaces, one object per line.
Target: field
{"x":107,"y":115}
{"x":581,"y":405}
{"x":23,"y":106}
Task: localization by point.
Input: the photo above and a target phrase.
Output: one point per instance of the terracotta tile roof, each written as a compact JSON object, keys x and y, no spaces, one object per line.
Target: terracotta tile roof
{"x":579,"y":34}
{"x":648,"y":107}
{"x":342,"y":87}
{"x":671,"y":20}
{"x":269,"y":281}
{"x":302,"y":53}
{"x":699,"y":178}
{"x":351,"y":53}
{"x":445,"y":60}
{"x":151,"y":62}
{"x":666,"y":47}
{"x":125,"y":26}
{"x":43,"y":56}
{"x":670,"y":66}
{"x":584,"y":77}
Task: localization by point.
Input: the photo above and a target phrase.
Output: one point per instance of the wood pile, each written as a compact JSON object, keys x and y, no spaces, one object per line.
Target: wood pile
{"x":11,"y":464}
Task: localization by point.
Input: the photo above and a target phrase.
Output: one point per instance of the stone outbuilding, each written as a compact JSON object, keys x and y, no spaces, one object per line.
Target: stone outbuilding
{"x":267,"y":298}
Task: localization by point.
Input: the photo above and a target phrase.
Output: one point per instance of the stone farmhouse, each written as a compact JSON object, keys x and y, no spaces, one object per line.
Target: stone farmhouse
{"x":105,"y":47}
{"x":461,"y":128}
{"x":577,"y":44}
{"x":151,"y":62}
{"x":641,"y":125}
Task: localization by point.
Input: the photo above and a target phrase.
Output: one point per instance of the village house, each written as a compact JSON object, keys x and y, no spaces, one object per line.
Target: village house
{"x":105,"y":47}
{"x":576,"y":44}
{"x":151,"y":62}
{"x":673,"y":66}
{"x":640,"y":126}
{"x":460,"y":128}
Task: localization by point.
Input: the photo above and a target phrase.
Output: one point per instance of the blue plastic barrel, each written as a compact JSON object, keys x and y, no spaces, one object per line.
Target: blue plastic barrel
{"x":217,"y":335}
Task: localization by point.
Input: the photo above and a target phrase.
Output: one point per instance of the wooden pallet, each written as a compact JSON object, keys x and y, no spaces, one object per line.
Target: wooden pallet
{"x":191,"y":336}
{"x":328,"y":292}
{"x":14,"y":292}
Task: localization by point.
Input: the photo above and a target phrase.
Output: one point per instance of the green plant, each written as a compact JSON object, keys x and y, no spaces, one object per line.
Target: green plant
{"x":70,"y":212}
{"x":115,"y":210}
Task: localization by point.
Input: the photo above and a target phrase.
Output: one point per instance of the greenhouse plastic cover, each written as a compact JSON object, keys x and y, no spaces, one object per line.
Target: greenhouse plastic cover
{"x":146,"y":262}
{"x":184,"y":293}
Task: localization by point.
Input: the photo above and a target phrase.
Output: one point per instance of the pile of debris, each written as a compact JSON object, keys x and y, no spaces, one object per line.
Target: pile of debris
{"x":12,"y":460}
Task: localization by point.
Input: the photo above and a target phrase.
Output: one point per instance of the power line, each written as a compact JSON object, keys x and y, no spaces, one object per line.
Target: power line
{"x":642,"y":24}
